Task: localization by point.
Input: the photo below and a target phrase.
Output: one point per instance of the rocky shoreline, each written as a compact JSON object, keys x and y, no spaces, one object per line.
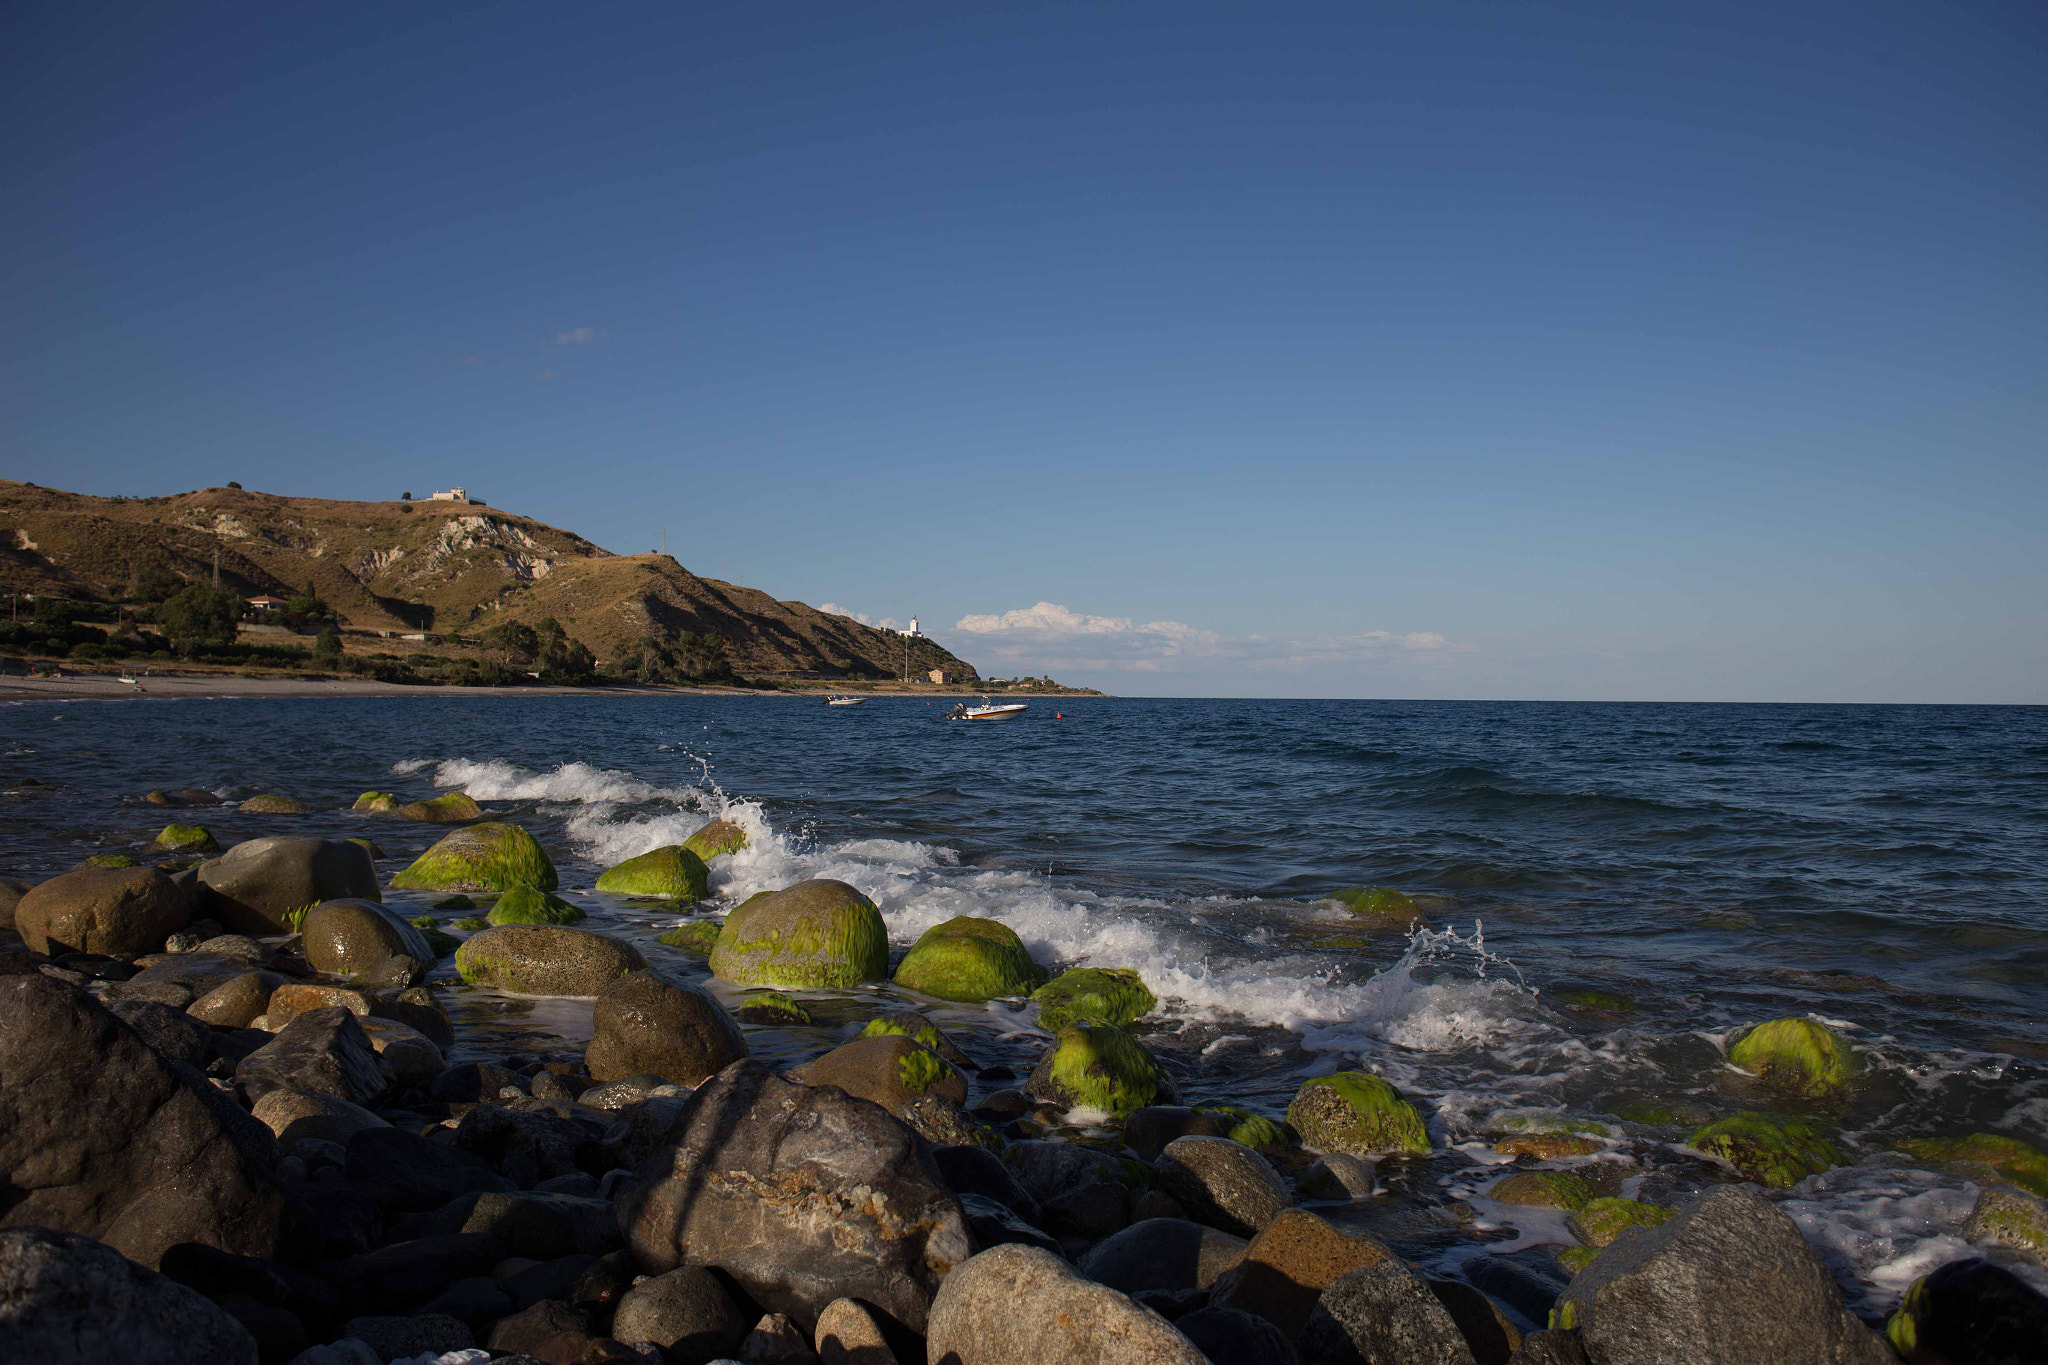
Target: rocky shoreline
{"x":232,"y":1131}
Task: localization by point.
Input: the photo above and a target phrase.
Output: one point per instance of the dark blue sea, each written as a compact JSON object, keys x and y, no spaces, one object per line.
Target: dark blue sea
{"x":1609,"y":890}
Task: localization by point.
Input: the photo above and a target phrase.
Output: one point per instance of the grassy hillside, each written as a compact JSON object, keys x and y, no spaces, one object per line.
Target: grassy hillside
{"x":449,"y":568}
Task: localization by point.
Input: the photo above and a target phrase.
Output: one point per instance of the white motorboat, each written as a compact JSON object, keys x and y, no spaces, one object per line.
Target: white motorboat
{"x":1008,"y":710}
{"x":844,"y":701}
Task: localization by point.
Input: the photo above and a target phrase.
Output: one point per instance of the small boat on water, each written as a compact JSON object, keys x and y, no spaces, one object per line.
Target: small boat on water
{"x":844,"y":701}
{"x":1008,"y":710}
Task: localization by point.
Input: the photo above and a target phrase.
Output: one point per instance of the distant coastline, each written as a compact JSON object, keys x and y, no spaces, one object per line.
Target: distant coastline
{"x":83,"y":686}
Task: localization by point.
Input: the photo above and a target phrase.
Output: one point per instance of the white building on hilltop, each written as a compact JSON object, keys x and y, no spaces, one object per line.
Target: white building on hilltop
{"x":913,"y":627}
{"x":455,"y":495}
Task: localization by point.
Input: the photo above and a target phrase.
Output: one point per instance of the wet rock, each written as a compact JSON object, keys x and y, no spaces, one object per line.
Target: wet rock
{"x":645,"y":1023}
{"x":686,"y":1312}
{"x":269,"y":803}
{"x":548,"y":1331}
{"x":1542,"y":1190}
{"x":803,"y":1195}
{"x":237,"y":1002}
{"x":776,"y":1340}
{"x":1380,"y":907}
{"x":124,"y":910}
{"x":449,"y":808}
{"x":1093,"y":995}
{"x":528,"y":905}
{"x":1727,"y":1279}
{"x":772,"y":1009}
{"x":1222,"y":1183}
{"x":1986,"y":1158}
{"x":2013,"y":1219}
{"x":11,"y":892}
{"x":1602,"y":1220}
{"x":418,"y":1008}
{"x":349,"y":936}
{"x":476,"y":1300}
{"x":1356,"y":1113}
{"x":1148,"y":1130}
{"x":1969,"y":1310}
{"x":1099,"y":1067}
{"x":1488,"y":1333}
{"x":1550,"y":1348}
{"x":321,"y":1052}
{"x":1798,"y":1056}
{"x":406,"y":1057}
{"x":173,"y":1033}
{"x":186,"y":839}
{"x":486,"y":857}
{"x":1163,"y":1253}
{"x":720,"y":836}
{"x":298,"y":1116}
{"x":992,"y":1224}
{"x":911,"y":1024}
{"x":890,"y":1070}
{"x":182,"y":796}
{"x":474,"y":1083}
{"x":699,"y":936}
{"x":1227,"y":1334}
{"x":1336,"y":1176}
{"x":849,"y":1335}
{"x":106,"y":1137}
{"x":528,"y":1145}
{"x":816,"y":934}
{"x":545,"y":1227}
{"x":1015,"y":1305}
{"x":195,"y":973}
{"x":1048,"y":1169}
{"x":66,"y":1299}
{"x":402,"y":1170}
{"x":401,"y":1338}
{"x":1383,"y":1314}
{"x":405,"y":1274}
{"x":1527,"y":1281}
{"x":539,"y":959}
{"x":673,"y":873}
{"x":259,"y":886}
{"x":374,"y":803}
{"x":976,"y":1170}
{"x":1767,"y":1148}
{"x":970,"y":959}
{"x":1081,"y":1218}
{"x":1288,"y":1267}
{"x":294,"y":998}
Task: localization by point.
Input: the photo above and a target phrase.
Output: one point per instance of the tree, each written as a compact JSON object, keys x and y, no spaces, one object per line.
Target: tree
{"x":327,"y":647}
{"x":199,"y":616}
{"x":154,"y":584}
{"x":517,"y":639}
{"x":406,"y":496}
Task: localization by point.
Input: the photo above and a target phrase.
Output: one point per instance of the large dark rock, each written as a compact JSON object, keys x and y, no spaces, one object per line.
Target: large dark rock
{"x":236,"y":1003}
{"x":257,"y":886}
{"x":1047,"y":1169}
{"x":350,"y":936}
{"x":542,"y":1227}
{"x":1728,"y":1279}
{"x":100,"y":1134}
{"x":548,"y":1331}
{"x":990,"y":1224}
{"x":903,"y":1076}
{"x":1222,"y":1183}
{"x":320,"y":1052}
{"x":802,"y":1195}
{"x":174,"y":1033}
{"x":1974,"y":1311}
{"x":527,"y":1145}
{"x":402,"y":1338}
{"x":125,"y":910}
{"x":221,"y":1274}
{"x":402,"y":1170}
{"x":69,"y":1300}
{"x":1017,"y":1305}
{"x":645,"y":1023}
{"x":406,"y":1274}
{"x":1288,"y":1267}
{"x":1384,"y":1314}
{"x":1163,"y":1253}
{"x":1225,"y":1334}
{"x":976,"y":1170}
{"x":1149,"y":1130}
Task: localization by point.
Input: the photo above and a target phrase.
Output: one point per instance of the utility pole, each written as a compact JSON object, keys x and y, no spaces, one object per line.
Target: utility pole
{"x":216,"y":564}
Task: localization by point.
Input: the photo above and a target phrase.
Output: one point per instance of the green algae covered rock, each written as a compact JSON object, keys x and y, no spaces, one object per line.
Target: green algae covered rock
{"x":2005,"y":1217}
{"x":1342,"y":943}
{"x":1383,"y":904}
{"x":1097,"y":1066}
{"x":1797,"y":1056}
{"x":1606,"y":1002}
{"x":1357,"y":1113}
{"x":1102,"y":995}
{"x":454,"y":903}
{"x":673,"y":872}
{"x":525,"y":905}
{"x":112,"y":860}
{"x":969,"y":959}
{"x":188,"y":839}
{"x":697,"y":936}
{"x":1248,"y":1129}
{"x":430,"y":930}
{"x":1767,"y":1148}
{"x":449,"y":808}
{"x":1986,"y":1155}
{"x":472,"y":923}
{"x":771,"y":1008}
{"x":375,"y":803}
{"x":271,"y":804}
{"x":893,"y":1071}
{"x":813,"y":935}
{"x":911,"y":1024}
{"x":1543,"y":1190}
{"x":1602,"y":1220}
{"x":486,"y":857}
{"x":720,"y":836}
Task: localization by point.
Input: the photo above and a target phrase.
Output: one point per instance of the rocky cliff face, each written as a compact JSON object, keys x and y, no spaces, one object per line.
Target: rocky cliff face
{"x":457,"y":568}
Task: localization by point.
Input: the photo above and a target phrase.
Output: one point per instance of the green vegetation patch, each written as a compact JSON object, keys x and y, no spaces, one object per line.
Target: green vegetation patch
{"x":697,"y":936}
{"x":1099,"y":1066}
{"x":720,"y":836}
{"x":454,"y":903}
{"x":1768,"y":1148}
{"x":928,"y":1034}
{"x":1383,"y":903}
{"x":472,"y":923}
{"x":430,"y":929}
{"x":2006,"y":1158}
{"x":673,"y":872}
{"x":970,"y":959}
{"x":449,"y":808}
{"x":1797,"y":1056}
{"x":188,"y":839}
{"x":375,"y":803}
{"x":113,"y":860}
{"x":1543,"y":1190}
{"x":771,"y":1008}
{"x":919,"y":1070}
{"x":1602,"y":1220}
{"x":1103,"y":995}
{"x":525,"y":905}
{"x":1358,"y":1113}
{"x":488,"y":857}
{"x":812,"y":936}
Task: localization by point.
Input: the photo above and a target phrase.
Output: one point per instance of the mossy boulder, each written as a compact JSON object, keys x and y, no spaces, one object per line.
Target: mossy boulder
{"x":1099,"y":995}
{"x":454,"y":903}
{"x":1543,"y":1190}
{"x":470,"y":924}
{"x":269,"y":803}
{"x":1987,"y":1157}
{"x":814,"y":935}
{"x":375,"y":803}
{"x":893,"y":1071}
{"x":1797,"y":1056}
{"x":969,"y":959}
{"x":1357,"y":1113}
{"x":772,"y":1009}
{"x":720,"y":836}
{"x":368,"y":846}
{"x":545,"y":959}
{"x":697,"y":936}
{"x":188,"y":839}
{"x":488,"y":857}
{"x":525,"y":905}
{"x":1382,"y":905}
{"x":1248,"y":1129}
{"x":449,"y":808}
{"x":440,"y":941}
{"x":112,"y":860}
{"x":1768,"y":1148}
{"x":911,"y":1024}
{"x":1605,"y":1002}
{"x":1546,"y":1146}
{"x":1602,"y":1220}
{"x":674,"y":873}
{"x":2009,"y":1218}
{"x":1100,"y":1067}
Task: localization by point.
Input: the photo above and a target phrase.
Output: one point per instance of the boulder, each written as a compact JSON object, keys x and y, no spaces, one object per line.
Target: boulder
{"x":802,"y":1195}
{"x":1099,"y":1067}
{"x":549,"y":1331}
{"x":1288,"y":1266}
{"x":1047,"y":1169}
{"x":374,"y":803}
{"x":1093,"y":995}
{"x":1227,"y":1334}
{"x":406,"y":1056}
{"x":237,"y":1002}
{"x":776,"y":1340}
{"x":116,"y":910}
{"x":643,"y":1023}
{"x":403,"y":1170}
{"x":720,"y":836}
{"x":528,"y":905}
{"x":69,"y":1300}
{"x":1383,"y":1314}
{"x":11,"y":892}
{"x":449,"y":808}
{"x":264,"y":886}
{"x":1222,"y":1183}
{"x":1163,"y":1253}
{"x":269,"y":803}
{"x":976,"y":1170}
{"x":1542,"y":1190}
{"x":1728,"y":1279}
{"x":1986,"y":1158}
{"x":1798,"y":1056}
{"x":1550,"y":1348}
{"x":911,"y":1024}
{"x":321,"y":1052}
{"x":542,"y":1227}
{"x":891,"y":1070}
{"x":772,"y":1009}
{"x":101,"y":1135}
{"x":1379,"y":907}
{"x":969,"y":959}
{"x":2010,"y":1218}
{"x":349,"y":936}
{"x":182,"y":796}
{"x":186,"y":839}
{"x":172,"y":1033}
{"x":1768,"y":1148}
{"x":849,"y":1335}
{"x":1018,"y":1305}
{"x":402,"y":1338}
{"x":813,"y":935}
{"x":1336,"y":1175}
{"x":1970,"y":1311}
{"x":1147,"y":1131}
{"x":698,"y":936}
{"x":487,"y":857}
{"x":673,"y":873}
{"x":1357,"y":1113}
{"x":1600,"y":1221}
{"x":992,"y":1224}
{"x":196,"y":973}
{"x":686,"y":1312}
{"x":295,"y":998}
{"x":301,"y":1116}
{"x":544,"y":959}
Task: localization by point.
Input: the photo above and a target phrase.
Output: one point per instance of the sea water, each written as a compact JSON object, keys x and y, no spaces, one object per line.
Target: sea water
{"x":1609,"y":892}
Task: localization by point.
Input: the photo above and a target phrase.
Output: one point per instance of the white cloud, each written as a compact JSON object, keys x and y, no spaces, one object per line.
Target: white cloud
{"x":1049,"y":635}
{"x":886,"y":623}
{"x":577,"y":336}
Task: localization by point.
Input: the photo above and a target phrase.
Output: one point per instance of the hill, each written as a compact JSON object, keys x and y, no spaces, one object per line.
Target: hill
{"x":444,"y":567}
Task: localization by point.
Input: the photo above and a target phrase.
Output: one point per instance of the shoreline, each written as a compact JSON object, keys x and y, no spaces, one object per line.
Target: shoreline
{"x":198,"y":686}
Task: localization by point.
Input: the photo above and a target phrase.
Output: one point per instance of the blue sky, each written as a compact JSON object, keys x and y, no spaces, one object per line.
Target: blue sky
{"x":1494,"y":350}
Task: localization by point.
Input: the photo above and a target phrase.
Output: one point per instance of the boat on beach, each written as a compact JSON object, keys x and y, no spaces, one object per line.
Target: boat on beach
{"x":844,"y":701}
{"x":1008,"y":710}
